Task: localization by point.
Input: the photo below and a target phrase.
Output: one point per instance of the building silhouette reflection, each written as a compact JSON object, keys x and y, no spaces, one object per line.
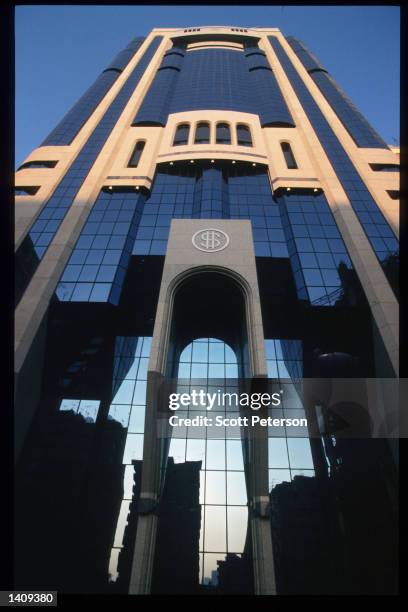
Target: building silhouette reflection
{"x":67,"y":501}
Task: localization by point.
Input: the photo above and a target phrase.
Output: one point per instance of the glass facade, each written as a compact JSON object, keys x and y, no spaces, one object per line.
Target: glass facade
{"x":214,"y":79}
{"x":272,"y":108}
{"x":128,"y":408}
{"x":377,"y":229}
{"x":205,"y":191}
{"x":97,"y":267}
{"x":223,"y":495}
{"x":354,"y":122}
{"x":69,"y":126}
{"x":52,"y":214}
{"x":210,"y":195}
{"x":316,"y":249}
{"x":297,"y":225}
{"x":357,"y":126}
{"x":202,"y":133}
{"x":226,"y":510}
{"x":288,"y":456}
{"x":155,"y":106}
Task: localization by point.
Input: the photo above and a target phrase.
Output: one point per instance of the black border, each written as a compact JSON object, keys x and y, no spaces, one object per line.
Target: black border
{"x":7,"y":251}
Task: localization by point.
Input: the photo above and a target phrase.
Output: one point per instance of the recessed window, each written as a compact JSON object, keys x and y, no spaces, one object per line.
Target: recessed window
{"x":288,"y":155}
{"x":38,"y":164}
{"x":182,"y":132}
{"x":202,"y":134}
{"x":385,"y":167}
{"x":136,"y":155}
{"x":244,"y":135}
{"x":223,"y":133}
{"x":25,"y":190}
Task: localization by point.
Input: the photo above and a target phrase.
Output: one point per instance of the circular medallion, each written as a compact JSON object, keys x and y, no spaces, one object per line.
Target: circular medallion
{"x":210,"y":240}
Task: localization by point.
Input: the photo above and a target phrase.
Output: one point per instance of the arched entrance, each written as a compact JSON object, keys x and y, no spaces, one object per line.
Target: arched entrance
{"x":208,"y":351}
{"x":206,"y":307}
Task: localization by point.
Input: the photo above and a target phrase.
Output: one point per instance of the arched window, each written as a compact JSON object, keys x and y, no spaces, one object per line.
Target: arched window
{"x":244,"y":135}
{"x":136,"y":155}
{"x":288,"y":155}
{"x":223,"y":133}
{"x":202,"y":134}
{"x":182,"y":132}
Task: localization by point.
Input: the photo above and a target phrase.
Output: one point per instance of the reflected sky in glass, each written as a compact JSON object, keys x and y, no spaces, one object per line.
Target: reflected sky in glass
{"x":128,"y":408}
{"x":288,"y":456}
{"x":223,"y":495}
{"x":88,"y":409}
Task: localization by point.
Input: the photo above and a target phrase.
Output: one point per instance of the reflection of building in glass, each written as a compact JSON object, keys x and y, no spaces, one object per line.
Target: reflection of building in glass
{"x":128,"y":408}
{"x":176,"y":564}
{"x":70,"y":487}
{"x":213,"y":213}
{"x":222,"y":479}
{"x":303,"y":550}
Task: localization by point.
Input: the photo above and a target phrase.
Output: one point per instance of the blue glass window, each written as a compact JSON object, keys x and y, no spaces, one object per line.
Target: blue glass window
{"x":384,"y":167}
{"x":202,"y":133}
{"x":357,"y":193}
{"x":244,"y":135}
{"x":287,"y":455}
{"x":69,"y":126}
{"x":136,"y":154}
{"x":182,"y":133}
{"x":223,"y":495}
{"x":288,"y":155}
{"x":223,"y":133}
{"x":96,"y":269}
{"x":213,"y":79}
{"x":38,"y":164}
{"x":316,"y":262}
{"x":127,"y":409}
{"x":25,"y":190}
{"x":194,"y":191}
{"x":63,"y":196}
{"x":355,"y":123}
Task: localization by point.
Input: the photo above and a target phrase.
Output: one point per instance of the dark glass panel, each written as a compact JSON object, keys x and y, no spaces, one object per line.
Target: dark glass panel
{"x":288,"y":154}
{"x":202,"y":134}
{"x":223,"y":133}
{"x":136,"y":155}
{"x":244,"y":135}
{"x":182,"y":132}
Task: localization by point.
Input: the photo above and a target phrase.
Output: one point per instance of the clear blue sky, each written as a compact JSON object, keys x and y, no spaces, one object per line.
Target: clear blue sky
{"x":60,"y":50}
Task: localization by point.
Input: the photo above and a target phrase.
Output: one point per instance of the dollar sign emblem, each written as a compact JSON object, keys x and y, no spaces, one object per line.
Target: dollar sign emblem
{"x":210,"y":239}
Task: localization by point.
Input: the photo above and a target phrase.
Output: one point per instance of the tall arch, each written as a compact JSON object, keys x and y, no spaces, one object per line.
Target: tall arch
{"x":214,"y":295}
{"x":159,"y":358}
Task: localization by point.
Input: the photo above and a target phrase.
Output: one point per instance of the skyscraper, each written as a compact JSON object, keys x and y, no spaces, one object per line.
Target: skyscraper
{"x":212,"y":212}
